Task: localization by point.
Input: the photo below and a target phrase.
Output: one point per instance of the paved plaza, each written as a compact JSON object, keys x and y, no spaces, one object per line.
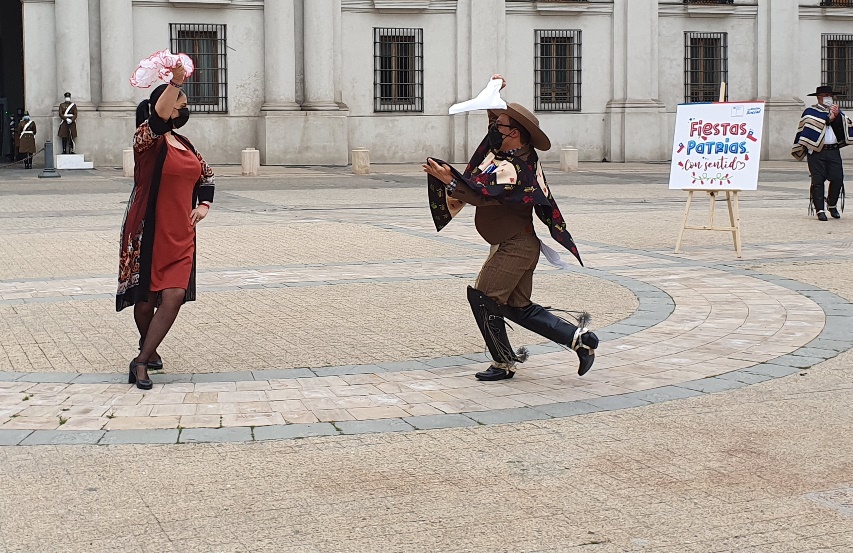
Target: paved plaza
{"x":319,"y":396}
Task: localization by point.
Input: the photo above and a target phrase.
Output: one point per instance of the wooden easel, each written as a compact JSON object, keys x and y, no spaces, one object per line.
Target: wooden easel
{"x":731,"y":202}
{"x":734,"y":217}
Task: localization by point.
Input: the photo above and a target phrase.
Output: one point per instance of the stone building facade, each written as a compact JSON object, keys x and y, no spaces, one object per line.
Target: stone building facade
{"x":305,"y":81}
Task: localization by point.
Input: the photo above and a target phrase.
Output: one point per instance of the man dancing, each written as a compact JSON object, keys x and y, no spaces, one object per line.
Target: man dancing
{"x":824,"y":129}
{"x":504,"y":180}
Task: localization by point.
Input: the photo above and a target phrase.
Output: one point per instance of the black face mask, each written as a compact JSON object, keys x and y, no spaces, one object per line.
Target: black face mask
{"x":181,"y":119}
{"x":496,"y":137}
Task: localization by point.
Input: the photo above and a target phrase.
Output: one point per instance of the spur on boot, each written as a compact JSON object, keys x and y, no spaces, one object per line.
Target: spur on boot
{"x":584,"y":344}
{"x":133,"y":379}
{"x":494,"y":373}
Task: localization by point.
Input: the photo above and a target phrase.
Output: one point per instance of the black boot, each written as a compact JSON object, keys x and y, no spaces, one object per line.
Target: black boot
{"x":833,"y":210}
{"x":490,"y":321}
{"x":64,"y":146}
{"x":541,"y":321}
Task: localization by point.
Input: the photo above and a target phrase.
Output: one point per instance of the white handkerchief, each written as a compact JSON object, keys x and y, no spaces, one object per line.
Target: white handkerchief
{"x":553,"y":257}
{"x":489,"y":98}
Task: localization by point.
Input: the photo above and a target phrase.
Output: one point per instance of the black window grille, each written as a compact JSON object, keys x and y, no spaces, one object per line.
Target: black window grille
{"x":706,"y":66}
{"x":207,"y":88}
{"x":708,"y":1}
{"x":398,"y":69}
{"x":836,"y":3}
{"x":837,"y":67}
{"x":557,"y":72}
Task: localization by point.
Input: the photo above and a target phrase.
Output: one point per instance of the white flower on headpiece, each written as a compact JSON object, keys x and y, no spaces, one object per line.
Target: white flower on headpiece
{"x":158,"y":66}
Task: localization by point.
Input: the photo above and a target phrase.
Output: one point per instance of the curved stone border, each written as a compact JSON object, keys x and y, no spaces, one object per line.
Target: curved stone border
{"x":655,"y":306}
{"x":832,"y":340}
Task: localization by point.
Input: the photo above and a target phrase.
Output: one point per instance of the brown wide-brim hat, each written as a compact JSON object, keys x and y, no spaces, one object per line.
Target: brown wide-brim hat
{"x":523,"y":116}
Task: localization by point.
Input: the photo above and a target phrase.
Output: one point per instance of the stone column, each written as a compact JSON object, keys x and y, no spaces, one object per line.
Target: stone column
{"x":635,"y":116}
{"x":73,"y":70}
{"x":778,"y":37}
{"x":480,"y":52}
{"x":279,"y":56}
{"x":319,"y":21}
{"x":117,"y":62}
{"x":318,"y":133}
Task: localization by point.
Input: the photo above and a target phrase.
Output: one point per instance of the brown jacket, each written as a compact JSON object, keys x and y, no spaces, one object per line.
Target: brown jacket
{"x":26,"y":135}
{"x":66,"y":130}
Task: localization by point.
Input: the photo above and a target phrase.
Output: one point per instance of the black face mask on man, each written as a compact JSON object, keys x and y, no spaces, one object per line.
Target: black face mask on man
{"x":496,"y":137}
{"x":181,"y":119}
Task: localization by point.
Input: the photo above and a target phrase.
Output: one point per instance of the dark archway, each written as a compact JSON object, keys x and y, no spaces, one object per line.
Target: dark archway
{"x":11,"y":69}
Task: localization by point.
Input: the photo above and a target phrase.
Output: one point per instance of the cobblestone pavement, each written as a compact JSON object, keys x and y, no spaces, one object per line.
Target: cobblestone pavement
{"x":330,"y":310}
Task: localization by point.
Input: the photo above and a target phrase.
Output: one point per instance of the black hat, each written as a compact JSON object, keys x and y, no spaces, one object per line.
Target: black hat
{"x":67,"y":94}
{"x":823,"y":90}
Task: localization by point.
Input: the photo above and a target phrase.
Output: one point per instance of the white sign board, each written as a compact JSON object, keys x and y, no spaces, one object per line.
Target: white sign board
{"x":717,"y":146}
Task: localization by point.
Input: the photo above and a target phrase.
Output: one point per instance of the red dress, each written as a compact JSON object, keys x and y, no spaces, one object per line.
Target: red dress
{"x":174,"y":234}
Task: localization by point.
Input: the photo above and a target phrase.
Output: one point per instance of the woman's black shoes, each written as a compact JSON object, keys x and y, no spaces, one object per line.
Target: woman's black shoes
{"x":133,"y":379}
{"x":494,"y":373}
{"x":153,"y":365}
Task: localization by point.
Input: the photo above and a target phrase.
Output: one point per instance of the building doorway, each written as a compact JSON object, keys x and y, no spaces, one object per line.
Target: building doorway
{"x":11,"y":71}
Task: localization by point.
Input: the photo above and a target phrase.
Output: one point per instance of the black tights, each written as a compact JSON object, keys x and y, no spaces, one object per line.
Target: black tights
{"x":154,"y":325}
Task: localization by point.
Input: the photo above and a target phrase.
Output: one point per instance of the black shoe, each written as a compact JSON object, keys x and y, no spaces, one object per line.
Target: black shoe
{"x":821,"y":216}
{"x":153,"y":365}
{"x":133,"y":379}
{"x":494,"y":373}
{"x":834,"y":212}
{"x":586,"y":352}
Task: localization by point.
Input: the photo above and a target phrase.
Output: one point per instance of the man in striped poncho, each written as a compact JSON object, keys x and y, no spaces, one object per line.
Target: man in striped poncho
{"x":824,"y":129}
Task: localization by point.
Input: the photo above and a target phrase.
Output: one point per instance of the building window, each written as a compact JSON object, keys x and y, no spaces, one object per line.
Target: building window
{"x":557,"y":72}
{"x":398,"y":69}
{"x":706,"y":66}
{"x":709,"y":1}
{"x":837,"y":67}
{"x":836,"y":3}
{"x":207,"y":89}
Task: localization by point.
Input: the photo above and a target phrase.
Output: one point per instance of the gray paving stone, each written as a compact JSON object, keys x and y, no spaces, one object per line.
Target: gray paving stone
{"x":712,"y":385}
{"x":664,"y":393}
{"x":216,"y":435}
{"x":430,"y":422}
{"x":101,"y":379}
{"x":58,"y":378}
{"x":347,"y":369}
{"x":837,"y":346}
{"x":166,"y":378}
{"x":798,"y":361}
{"x":290,"y":431}
{"x":821,"y":353}
{"x":394,"y":366}
{"x":449,"y":361}
{"x":379,"y":425}
{"x":13,"y":437}
{"x":772,"y":370}
{"x":282,"y":374}
{"x":6,"y":376}
{"x":625,"y":329}
{"x":567,"y":409}
{"x":506,"y":416}
{"x":744,"y":377}
{"x":613,"y":403}
{"x":159,"y":436}
{"x":63,"y":437}
{"x":236,"y":376}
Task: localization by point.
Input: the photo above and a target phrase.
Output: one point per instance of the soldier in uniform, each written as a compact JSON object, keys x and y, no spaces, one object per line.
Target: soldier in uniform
{"x":26,"y":139}
{"x":68,"y":124}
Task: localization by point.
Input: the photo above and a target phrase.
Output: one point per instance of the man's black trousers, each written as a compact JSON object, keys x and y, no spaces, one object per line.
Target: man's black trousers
{"x":826,"y":166}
